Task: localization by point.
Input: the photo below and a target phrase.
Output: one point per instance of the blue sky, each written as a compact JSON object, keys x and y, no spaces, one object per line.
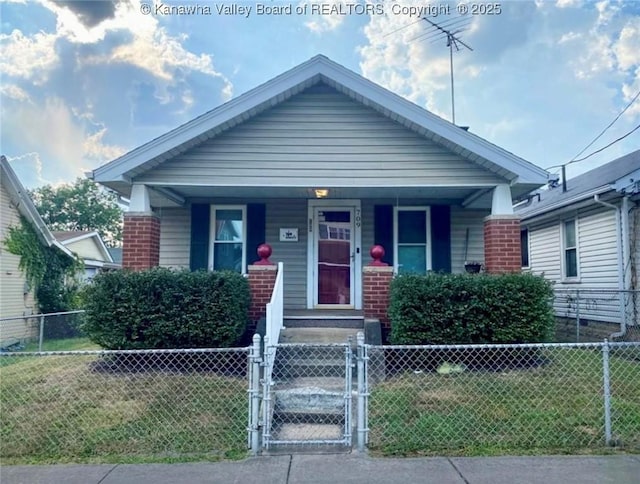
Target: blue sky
{"x":85,"y":81}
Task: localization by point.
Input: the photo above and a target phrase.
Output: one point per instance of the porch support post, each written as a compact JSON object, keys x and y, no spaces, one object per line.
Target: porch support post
{"x":502,"y":252}
{"x":141,"y":233}
{"x":262,"y":279}
{"x":376,"y":280}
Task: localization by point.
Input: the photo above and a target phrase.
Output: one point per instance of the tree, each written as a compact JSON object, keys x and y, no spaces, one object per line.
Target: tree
{"x":83,"y":205}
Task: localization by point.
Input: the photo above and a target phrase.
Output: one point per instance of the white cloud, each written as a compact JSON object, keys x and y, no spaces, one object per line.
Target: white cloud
{"x":326,"y":23}
{"x":627,"y":47}
{"x":28,"y":167}
{"x":568,"y":3}
{"x":28,"y":57}
{"x":14,"y":92}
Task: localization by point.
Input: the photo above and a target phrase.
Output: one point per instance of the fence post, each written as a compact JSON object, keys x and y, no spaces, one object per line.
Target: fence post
{"x":362,"y":430}
{"x":607,"y":392}
{"x":41,"y":337}
{"x":254,"y":394}
{"x":578,"y":316}
{"x":266,"y":394}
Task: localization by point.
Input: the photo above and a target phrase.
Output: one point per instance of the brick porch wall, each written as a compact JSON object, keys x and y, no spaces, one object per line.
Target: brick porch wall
{"x":502,"y":251}
{"x":141,"y":242}
{"x":375,"y":292}
{"x":262,"y":278}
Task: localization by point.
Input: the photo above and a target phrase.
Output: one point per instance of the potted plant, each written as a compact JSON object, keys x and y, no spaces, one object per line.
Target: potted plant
{"x":472,"y":267}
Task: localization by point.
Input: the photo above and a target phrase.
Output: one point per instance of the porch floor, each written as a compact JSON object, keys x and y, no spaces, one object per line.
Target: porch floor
{"x":323,"y":314}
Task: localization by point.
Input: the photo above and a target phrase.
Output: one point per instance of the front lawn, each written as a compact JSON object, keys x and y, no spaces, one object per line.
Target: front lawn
{"x":553,"y":408}
{"x":68,"y":409}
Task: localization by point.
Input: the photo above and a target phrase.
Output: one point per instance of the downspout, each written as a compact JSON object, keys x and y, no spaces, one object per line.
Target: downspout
{"x":620,"y":247}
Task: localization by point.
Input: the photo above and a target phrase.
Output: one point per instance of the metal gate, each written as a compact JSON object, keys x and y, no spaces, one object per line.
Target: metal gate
{"x":307,"y":395}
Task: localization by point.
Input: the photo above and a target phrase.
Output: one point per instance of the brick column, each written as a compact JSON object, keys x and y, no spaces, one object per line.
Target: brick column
{"x":141,"y":241}
{"x":502,"y":244}
{"x":262,"y":278}
{"x":376,"y":279}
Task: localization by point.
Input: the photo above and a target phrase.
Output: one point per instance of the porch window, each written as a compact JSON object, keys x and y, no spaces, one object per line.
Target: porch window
{"x":524,"y":247}
{"x":228,"y":238}
{"x":412,"y":248}
{"x":570,"y":249}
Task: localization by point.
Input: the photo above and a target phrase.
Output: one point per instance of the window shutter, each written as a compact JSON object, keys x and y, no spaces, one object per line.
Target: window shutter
{"x":383,"y":231}
{"x":256,"y":230}
{"x":441,"y":238}
{"x":200,"y":221}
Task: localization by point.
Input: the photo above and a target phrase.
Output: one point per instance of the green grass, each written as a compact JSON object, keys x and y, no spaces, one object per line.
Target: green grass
{"x":67,"y":344}
{"x":60,"y":409}
{"x":556,"y":408}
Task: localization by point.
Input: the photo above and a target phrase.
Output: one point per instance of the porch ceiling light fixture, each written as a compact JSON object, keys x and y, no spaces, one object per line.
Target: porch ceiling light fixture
{"x":321,"y":192}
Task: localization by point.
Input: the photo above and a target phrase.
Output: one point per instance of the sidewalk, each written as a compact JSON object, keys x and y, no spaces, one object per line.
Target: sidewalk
{"x":346,"y":468}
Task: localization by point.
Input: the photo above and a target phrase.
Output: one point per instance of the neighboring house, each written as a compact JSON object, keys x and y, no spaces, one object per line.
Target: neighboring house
{"x":585,"y":236}
{"x":16,"y":297}
{"x":89,"y":247}
{"x":321,"y":164}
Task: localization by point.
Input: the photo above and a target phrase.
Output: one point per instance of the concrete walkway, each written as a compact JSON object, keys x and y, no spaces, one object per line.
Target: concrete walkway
{"x":348,"y":469}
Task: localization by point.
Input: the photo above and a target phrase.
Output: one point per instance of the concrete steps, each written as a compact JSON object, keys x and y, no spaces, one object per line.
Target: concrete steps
{"x":309,"y":381}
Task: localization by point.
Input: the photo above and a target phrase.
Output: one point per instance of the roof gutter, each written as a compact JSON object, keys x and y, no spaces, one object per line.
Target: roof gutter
{"x":619,"y":244}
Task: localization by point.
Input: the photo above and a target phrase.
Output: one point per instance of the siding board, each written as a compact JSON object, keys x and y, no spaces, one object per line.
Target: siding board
{"x":319,"y":139}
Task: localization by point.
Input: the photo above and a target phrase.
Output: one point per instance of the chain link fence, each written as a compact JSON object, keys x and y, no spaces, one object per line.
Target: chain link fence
{"x":38,"y":332}
{"x":590,"y":315}
{"x":70,"y":405}
{"x":496,"y":399}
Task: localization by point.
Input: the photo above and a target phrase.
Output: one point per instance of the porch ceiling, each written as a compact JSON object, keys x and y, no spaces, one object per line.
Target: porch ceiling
{"x":479,"y":196}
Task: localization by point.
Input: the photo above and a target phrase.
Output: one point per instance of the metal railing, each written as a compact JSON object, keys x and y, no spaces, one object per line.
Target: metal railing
{"x":18,"y":331}
{"x":592,"y":314}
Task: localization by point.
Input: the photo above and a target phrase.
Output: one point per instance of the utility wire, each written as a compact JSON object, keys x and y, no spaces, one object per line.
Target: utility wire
{"x":605,"y":129}
{"x":605,"y":147}
{"x":574,"y":160}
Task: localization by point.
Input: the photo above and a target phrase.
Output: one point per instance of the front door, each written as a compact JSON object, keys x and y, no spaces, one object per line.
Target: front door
{"x":335,"y":253}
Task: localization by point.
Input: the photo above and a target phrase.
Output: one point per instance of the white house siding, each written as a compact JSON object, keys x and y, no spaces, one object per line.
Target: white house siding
{"x":86,"y":248}
{"x":598,"y":264}
{"x":13,"y":300}
{"x":461,"y":220}
{"x":175,"y":237}
{"x":319,"y":138}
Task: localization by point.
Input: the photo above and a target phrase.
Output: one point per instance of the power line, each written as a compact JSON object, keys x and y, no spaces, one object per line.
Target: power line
{"x":574,"y":160}
{"x":608,"y":126}
{"x":605,"y":147}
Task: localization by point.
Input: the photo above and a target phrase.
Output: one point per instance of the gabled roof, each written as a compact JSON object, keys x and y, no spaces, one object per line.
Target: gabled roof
{"x":622,"y":174}
{"x":20,"y":199}
{"x":70,"y":237}
{"x":316,"y":70}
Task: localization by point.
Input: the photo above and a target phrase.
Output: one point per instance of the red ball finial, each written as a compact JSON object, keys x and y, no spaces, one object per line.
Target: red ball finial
{"x":264,"y":252}
{"x":377,"y":253}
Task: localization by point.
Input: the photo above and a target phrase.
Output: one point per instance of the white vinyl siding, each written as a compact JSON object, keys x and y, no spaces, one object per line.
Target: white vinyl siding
{"x":319,"y":138}
{"x":597,"y":262}
{"x":175,"y":237}
{"x":87,"y":249}
{"x":461,"y":221}
{"x":13,"y":299}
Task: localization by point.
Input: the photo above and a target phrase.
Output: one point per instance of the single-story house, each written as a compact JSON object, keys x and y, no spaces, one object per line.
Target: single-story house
{"x":16,"y":296}
{"x":321,"y":164}
{"x":583,"y":234}
{"x":90,"y":248}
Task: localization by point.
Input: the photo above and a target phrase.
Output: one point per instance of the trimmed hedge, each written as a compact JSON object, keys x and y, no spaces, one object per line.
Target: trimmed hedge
{"x":470,"y":309}
{"x":161,"y":308}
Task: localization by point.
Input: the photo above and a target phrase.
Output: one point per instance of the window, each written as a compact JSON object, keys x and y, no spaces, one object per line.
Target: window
{"x":228,"y":238}
{"x":570,"y":249}
{"x":524,"y":247}
{"x":412,"y":249}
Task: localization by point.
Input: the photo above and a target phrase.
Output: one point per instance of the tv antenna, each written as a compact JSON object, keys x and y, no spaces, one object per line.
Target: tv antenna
{"x":439,"y":31}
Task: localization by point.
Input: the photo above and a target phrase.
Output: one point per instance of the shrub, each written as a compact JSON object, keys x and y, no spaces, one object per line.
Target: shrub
{"x":470,"y":308}
{"x":161,"y":308}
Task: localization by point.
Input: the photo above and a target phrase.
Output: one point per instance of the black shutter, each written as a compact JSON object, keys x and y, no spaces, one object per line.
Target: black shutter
{"x":383,"y":231}
{"x":441,"y":238}
{"x":256,"y":228}
{"x":200,"y":221}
